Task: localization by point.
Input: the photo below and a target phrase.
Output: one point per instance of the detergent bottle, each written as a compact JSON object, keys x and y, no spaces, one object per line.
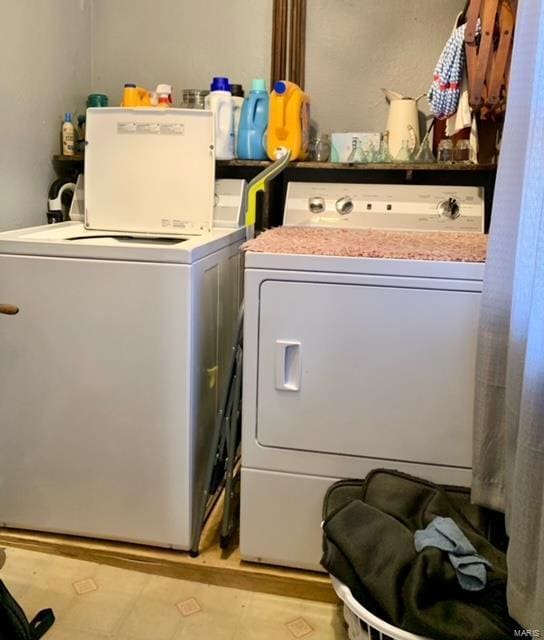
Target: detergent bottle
{"x":219,"y":100}
{"x":288,"y":121}
{"x":253,"y":123}
{"x":134,"y":96}
{"x":237,"y":92}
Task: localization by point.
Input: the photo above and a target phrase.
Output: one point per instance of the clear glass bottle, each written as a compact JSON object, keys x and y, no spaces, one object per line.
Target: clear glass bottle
{"x":424,"y":153}
{"x":320,"y":148}
{"x":358,"y":154}
{"x":445,"y":151}
{"x":373,"y":154}
{"x":384,"y":154}
{"x":404,"y":154}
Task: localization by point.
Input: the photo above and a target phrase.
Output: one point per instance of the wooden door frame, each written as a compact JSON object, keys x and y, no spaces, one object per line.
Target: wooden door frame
{"x":288,"y":57}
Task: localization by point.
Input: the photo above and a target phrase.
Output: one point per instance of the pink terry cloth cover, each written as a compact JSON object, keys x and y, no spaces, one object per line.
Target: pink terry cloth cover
{"x":373,"y":243}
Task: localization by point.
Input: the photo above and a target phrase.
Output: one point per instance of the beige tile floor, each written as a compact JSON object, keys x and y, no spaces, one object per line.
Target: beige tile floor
{"x":94,"y":602}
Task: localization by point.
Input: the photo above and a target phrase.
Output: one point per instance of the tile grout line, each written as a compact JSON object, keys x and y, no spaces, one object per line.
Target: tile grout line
{"x":236,"y":628}
{"x":130,"y":608}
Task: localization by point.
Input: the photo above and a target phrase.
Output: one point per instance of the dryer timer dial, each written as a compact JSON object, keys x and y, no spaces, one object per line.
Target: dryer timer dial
{"x":449,"y":208}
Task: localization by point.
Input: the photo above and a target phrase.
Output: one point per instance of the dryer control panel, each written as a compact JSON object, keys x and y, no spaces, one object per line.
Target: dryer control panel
{"x":382,"y":206}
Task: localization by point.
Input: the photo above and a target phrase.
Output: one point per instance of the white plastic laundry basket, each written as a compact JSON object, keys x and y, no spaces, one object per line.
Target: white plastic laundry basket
{"x":363,"y":625}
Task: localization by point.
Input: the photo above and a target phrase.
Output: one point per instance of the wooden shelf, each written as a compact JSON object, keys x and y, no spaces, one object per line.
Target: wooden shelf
{"x":386,"y":166}
{"x":338,"y":166}
{"x":78,"y":157}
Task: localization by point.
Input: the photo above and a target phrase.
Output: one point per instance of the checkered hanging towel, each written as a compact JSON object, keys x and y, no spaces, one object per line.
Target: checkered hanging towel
{"x":444,"y":91}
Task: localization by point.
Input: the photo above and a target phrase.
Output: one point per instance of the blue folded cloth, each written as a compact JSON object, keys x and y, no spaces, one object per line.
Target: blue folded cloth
{"x":470,"y":567}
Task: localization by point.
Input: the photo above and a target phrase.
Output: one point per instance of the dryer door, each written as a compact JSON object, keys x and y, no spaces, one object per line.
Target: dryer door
{"x":382,"y":372}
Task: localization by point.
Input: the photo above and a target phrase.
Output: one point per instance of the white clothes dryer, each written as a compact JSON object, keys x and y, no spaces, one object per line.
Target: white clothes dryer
{"x":353,"y":363}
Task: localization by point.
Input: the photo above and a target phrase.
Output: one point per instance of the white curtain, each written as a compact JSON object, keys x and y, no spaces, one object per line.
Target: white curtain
{"x":509,"y":410}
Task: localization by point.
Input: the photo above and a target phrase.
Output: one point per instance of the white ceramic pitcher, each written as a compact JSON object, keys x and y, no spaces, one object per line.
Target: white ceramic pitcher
{"x":402,"y":122}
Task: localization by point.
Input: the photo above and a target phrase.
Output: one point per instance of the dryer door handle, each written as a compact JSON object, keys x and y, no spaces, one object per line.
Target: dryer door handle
{"x":288,"y":365}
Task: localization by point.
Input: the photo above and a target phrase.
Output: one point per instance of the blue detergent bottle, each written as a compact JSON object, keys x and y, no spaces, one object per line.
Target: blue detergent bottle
{"x":253,"y":123}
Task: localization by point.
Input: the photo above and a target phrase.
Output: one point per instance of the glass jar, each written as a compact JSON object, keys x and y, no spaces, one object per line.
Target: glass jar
{"x":320,"y":148}
{"x":461,"y":151}
{"x":193,"y":98}
{"x":445,"y":151}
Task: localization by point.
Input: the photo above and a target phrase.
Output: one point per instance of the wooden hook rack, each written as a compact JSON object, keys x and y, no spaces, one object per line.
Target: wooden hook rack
{"x":488,"y":44}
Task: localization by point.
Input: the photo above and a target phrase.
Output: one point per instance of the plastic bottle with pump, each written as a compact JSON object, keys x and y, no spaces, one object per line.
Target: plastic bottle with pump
{"x":68,"y":135}
{"x":288,"y":121}
{"x":219,"y":100}
{"x":253,"y":123}
{"x":237,"y":92}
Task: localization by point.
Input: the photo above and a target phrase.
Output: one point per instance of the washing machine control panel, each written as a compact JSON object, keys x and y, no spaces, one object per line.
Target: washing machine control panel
{"x":404,"y":207}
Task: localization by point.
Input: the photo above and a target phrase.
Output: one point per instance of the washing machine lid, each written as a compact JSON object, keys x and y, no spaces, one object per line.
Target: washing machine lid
{"x":73,"y":240}
{"x":149,"y":170}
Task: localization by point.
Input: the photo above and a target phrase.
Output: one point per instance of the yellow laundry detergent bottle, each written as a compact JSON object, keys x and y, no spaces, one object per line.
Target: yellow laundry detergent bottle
{"x":134,"y":96}
{"x":288,"y":121}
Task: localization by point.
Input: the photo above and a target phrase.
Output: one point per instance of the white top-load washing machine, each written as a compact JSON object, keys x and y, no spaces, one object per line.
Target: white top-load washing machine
{"x":353,"y":363}
{"x":109,"y":372}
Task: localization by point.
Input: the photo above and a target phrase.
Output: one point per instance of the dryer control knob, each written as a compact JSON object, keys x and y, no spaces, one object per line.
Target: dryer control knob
{"x":344,"y":205}
{"x":449,"y":208}
{"x":316,"y":204}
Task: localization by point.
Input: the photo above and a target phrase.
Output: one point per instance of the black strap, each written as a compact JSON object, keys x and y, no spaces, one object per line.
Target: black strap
{"x":41,"y":623}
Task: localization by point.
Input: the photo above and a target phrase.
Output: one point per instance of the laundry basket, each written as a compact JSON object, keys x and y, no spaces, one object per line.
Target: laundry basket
{"x":362,"y":624}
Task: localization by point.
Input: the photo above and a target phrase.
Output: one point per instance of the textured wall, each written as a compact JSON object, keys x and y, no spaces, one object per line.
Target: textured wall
{"x":355,"y":47}
{"x":180,"y":42}
{"x":55,"y":51}
{"x":45,"y":70}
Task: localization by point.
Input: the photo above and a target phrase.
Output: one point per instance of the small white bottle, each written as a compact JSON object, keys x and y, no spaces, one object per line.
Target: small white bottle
{"x":219,"y":100}
{"x":68,"y":135}
{"x":164,"y":95}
